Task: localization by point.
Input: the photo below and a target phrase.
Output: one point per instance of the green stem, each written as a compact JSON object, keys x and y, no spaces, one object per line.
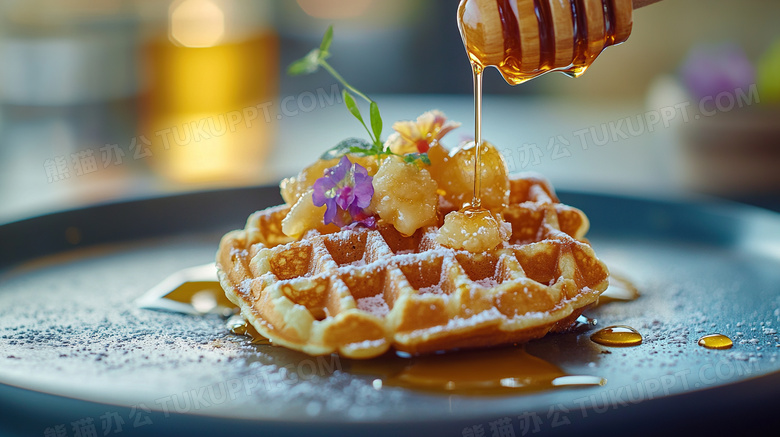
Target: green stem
{"x":338,"y":77}
{"x":370,"y":135}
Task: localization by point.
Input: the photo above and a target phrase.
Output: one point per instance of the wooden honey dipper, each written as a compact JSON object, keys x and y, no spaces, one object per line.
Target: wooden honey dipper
{"x":526,"y":38}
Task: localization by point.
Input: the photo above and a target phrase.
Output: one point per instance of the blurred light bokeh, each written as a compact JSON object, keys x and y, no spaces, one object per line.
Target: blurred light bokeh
{"x":114,"y":99}
{"x":218,"y":57}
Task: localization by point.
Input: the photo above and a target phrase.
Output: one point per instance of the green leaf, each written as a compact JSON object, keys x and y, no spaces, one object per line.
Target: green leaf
{"x":316,"y":59}
{"x":376,"y":120}
{"x":361,"y":151}
{"x":327,"y":39}
{"x":306,"y":65}
{"x":350,"y":145}
{"x":352,"y":106}
{"x":412,"y":158}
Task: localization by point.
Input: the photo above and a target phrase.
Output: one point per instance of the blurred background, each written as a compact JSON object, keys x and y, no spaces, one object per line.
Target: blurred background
{"x":116,"y":99}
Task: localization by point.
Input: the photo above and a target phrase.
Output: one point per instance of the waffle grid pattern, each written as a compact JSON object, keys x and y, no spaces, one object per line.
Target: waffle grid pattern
{"x":359,"y":292}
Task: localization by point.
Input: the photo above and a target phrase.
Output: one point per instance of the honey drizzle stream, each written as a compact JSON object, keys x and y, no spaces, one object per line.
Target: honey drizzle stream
{"x":476,"y":202}
{"x":511,"y":66}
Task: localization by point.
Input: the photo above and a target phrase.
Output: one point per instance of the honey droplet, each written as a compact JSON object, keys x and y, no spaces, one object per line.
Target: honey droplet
{"x":618,"y":335}
{"x":716,"y":341}
{"x":583,"y":324}
{"x":585,"y":320}
{"x":473,"y":229}
{"x":239,"y":326}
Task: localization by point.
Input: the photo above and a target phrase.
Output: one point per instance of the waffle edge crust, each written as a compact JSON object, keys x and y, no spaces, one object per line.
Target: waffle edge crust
{"x":359,"y":292}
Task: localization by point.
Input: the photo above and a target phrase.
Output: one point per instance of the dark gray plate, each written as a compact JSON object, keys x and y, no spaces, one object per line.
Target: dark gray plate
{"x":75,"y":353}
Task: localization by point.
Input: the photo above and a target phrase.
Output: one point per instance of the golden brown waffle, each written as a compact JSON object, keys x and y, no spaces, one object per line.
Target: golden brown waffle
{"x":359,"y":292}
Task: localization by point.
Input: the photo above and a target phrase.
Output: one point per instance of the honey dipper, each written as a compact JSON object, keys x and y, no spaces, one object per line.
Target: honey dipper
{"x":526,"y":38}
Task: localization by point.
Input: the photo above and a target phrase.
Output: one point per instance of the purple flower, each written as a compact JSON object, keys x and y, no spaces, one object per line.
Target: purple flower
{"x":368,"y":222}
{"x":345,"y":187}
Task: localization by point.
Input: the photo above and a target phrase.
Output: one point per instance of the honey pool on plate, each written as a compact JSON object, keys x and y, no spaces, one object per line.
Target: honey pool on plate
{"x":496,"y":371}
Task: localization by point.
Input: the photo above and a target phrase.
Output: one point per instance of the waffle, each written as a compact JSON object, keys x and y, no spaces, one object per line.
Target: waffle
{"x":359,"y":292}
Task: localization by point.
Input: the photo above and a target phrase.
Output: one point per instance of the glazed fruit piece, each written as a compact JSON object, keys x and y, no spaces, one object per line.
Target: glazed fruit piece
{"x":404,"y":195}
{"x":453,"y":172}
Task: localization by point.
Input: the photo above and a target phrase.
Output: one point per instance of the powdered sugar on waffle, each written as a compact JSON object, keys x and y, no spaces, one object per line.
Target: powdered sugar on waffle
{"x":433,"y":289}
{"x":459,"y":323}
{"x":367,"y":344}
{"x":245,"y":286}
{"x":487,"y":282}
{"x":375,"y":305}
{"x":411,"y":282}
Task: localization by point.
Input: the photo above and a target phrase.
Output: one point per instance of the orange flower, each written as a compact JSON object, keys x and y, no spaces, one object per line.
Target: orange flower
{"x":418,"y":136}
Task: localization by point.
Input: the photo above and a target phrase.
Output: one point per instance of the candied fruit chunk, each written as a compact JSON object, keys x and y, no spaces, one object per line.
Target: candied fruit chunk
{"x":293,"y":188}
{"x":404,"y":195}
{"x":475,"y":230}
{"x":303,"y":216}
{"x":368,"y":162}
{"x":454,"y":175}
{"x":437,"y":154}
